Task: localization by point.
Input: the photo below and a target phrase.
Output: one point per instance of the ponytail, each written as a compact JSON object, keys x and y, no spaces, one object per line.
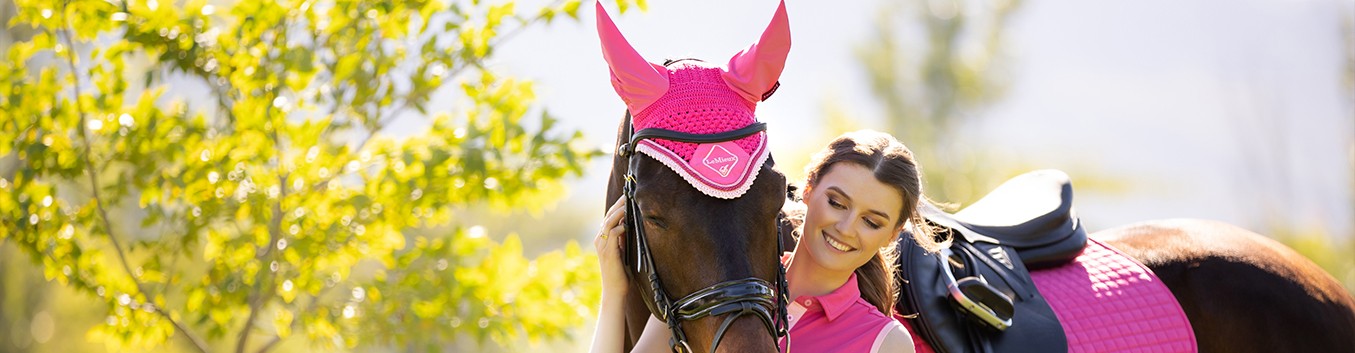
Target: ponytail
{"x":875,"y":279}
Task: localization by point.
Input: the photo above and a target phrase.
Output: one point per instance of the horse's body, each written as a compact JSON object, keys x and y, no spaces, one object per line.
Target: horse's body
{"x":1242,"y":291}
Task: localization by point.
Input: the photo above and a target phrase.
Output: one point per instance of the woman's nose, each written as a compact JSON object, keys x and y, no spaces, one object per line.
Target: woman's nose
{"x":844,"y":226}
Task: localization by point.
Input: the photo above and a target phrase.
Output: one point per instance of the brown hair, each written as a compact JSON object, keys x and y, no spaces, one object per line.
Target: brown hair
{"x":893,"y":164}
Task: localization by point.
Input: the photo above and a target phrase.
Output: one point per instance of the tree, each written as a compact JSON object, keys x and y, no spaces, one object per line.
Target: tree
{"x":930,"y":89}
{"x":277,"y":208}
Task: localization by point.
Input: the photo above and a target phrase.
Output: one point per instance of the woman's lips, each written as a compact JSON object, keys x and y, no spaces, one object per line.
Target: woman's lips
{"x":836,"y":244}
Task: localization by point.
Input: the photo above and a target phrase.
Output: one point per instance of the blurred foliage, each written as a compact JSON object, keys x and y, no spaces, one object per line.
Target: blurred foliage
{"x":1330,"y":250}
{"x":1348,"y":43}
{"x":276,"y":210}
{"x":934,"y":65}
{"x":1348,"y":24}
{"x":1331,"y":253}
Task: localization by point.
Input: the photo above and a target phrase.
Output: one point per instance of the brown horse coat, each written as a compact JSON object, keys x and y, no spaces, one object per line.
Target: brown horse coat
{"x":1243,"y":292}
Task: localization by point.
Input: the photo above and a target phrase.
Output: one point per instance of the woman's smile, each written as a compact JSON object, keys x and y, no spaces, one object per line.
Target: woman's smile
{"x":836,"y":244}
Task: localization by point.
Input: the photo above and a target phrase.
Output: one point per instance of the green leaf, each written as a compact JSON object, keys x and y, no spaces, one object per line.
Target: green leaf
{"x":497,"y":13}
{"x":571,"y":7}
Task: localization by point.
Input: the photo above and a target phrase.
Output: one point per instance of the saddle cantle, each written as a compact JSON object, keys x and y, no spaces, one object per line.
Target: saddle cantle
{"x":976,"y":294}
{"x":1032,"y":213}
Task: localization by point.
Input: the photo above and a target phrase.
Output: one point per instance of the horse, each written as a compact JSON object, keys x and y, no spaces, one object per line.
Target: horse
{"x":702,"y":245}
{"x":1239,"y":291}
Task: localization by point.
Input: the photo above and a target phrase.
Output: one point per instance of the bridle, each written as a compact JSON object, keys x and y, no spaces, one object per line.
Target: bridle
{"x":736,"y":298}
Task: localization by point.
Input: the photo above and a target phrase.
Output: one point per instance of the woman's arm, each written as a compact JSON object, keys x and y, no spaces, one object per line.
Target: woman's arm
{"x":655,"y":338}
{"x":610,"y":334}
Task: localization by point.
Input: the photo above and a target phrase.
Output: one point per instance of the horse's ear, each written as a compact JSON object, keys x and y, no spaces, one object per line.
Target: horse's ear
{"x":638,"y":82}
{"x":753,"y":72}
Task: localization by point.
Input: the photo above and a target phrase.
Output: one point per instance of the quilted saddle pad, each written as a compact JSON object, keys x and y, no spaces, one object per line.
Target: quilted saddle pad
{"x":1109,"y":302}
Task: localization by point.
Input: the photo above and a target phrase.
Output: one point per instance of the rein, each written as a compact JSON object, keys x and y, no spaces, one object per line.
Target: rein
{"x":735,"y":298}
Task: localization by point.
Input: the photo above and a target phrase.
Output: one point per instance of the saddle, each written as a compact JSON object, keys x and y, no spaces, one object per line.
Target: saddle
{"x":976,"y":294}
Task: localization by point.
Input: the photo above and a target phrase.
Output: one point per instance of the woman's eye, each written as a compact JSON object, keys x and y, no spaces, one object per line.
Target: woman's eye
{"x":835,"y":204}
{"x":872,"y":224}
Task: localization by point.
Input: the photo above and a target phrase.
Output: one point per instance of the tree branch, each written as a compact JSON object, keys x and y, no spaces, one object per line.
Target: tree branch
{"x":94,"y":187}
{"x":407,"y":102}
{"x":315,"y":301}
{"x":264,"y":291}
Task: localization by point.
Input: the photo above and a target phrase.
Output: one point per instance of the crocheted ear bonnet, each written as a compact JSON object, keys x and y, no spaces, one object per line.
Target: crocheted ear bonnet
{"x":699,"y":98}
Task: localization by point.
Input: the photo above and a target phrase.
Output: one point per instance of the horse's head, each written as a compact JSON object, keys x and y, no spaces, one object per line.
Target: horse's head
{"x":702,"y":245}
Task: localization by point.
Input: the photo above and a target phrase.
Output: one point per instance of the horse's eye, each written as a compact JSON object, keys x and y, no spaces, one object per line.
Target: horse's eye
{"x":656,"y":221}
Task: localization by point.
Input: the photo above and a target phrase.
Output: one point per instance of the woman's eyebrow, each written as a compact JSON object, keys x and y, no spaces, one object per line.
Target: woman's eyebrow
{"x":849,"y":198}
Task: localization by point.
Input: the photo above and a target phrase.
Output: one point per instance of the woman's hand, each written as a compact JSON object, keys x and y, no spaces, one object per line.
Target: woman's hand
{"x":610,"y":335}
{"x":609,"y":243}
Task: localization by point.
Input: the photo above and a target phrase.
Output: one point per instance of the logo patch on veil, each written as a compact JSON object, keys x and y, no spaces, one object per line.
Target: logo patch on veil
{"x":719,"y":159}
{"x":724,"y":170}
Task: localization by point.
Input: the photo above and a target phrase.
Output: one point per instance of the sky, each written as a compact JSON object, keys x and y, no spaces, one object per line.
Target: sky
{"x":1227,"y":110}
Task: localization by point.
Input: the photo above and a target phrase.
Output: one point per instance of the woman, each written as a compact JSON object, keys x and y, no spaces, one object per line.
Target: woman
{"x":860,"y":193}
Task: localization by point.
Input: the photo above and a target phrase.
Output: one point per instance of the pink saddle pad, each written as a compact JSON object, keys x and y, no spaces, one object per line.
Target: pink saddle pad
{"x":1108,"y":302}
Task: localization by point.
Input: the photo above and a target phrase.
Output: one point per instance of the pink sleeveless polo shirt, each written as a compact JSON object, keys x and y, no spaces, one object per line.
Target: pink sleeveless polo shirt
{"x":841,"y":321}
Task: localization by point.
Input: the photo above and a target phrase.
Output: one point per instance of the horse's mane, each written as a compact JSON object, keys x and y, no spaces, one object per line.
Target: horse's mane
{"x":792,"y":214}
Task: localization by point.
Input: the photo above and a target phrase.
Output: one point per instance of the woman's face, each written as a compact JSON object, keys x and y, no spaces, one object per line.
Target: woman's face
{"x":850,"y":216}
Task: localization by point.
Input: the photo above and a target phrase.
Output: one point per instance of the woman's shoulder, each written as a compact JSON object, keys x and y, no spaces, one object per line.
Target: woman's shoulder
{"x":871,"y":312}
{"x":893,"y":338}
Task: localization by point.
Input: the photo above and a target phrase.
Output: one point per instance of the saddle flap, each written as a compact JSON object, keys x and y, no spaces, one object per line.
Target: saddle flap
{"x":927,"y":303}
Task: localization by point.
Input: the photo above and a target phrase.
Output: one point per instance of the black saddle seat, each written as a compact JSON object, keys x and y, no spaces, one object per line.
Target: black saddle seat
{"x":1032,"y":213}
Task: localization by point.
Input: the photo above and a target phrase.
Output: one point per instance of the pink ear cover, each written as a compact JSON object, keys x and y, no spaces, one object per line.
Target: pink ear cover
{"x":695,"y":97}
{"x":754,"y":71}
{"x":700,"y":102}
{"x":638,"y":82}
